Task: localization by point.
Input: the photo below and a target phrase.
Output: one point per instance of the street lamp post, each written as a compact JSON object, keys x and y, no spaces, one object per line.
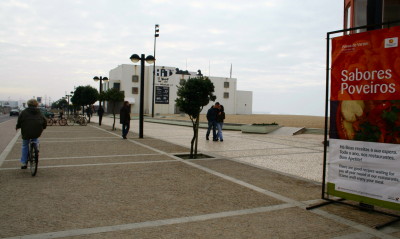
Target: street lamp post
{"x":156,"y":34}
{"x":101,"y":84}
{"x":68,"y":96}
{"x":150,"y":60}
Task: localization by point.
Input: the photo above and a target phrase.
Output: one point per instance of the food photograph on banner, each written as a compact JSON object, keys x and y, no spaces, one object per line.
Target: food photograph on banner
{"x":364,"y":133}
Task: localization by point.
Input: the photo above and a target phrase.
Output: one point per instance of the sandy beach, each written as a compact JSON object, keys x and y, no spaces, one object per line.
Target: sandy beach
{"x":283,"y":120}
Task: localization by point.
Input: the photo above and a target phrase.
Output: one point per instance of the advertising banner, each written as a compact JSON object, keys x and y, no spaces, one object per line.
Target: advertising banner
{"x":364,"y":144}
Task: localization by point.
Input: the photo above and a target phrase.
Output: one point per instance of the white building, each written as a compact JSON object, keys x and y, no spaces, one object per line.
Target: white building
{"x":127,"y":78}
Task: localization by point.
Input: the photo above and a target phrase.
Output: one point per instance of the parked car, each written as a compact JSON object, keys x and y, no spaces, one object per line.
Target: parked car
{"x":14,"y":112}
{"x":46,"y":113}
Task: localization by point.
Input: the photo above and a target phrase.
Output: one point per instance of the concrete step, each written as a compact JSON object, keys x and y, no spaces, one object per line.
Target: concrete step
{"x":288,"y":131}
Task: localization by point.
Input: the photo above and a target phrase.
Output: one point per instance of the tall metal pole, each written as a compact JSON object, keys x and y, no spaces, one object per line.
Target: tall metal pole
{"x":101,"y":89}
{"x":142,"y":58}
{"x":328,"y":38}
{"x":68,"y":105}
{"x":156,"y":30}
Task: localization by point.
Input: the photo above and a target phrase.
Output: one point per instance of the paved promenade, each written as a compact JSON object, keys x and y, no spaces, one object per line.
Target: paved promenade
{"x":93,"y":184}
{"x":300,"y":155}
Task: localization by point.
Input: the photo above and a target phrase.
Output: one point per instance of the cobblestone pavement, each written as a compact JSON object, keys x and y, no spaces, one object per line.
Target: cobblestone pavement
{"x":93,"y":184}
{"x":300,"y":155}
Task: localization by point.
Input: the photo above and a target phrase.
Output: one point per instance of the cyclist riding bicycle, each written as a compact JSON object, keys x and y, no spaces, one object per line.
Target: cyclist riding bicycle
{"x":32,"y":123}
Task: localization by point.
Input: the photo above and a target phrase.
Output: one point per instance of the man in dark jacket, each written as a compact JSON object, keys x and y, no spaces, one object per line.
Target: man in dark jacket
{"x":100,"y":113}
{"x":32,"y":123}
{"x":125,"y":118}
{"x":212,"y":121}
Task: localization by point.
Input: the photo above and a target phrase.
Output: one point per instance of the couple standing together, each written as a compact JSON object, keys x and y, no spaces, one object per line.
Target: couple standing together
{"x":215,"y":117}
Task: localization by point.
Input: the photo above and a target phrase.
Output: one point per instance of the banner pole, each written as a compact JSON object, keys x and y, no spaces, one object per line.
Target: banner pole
{"x":326,"y":115}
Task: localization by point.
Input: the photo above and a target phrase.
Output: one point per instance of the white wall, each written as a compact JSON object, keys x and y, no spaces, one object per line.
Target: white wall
{"x":244,"y":102}
{"x":165,"y":76}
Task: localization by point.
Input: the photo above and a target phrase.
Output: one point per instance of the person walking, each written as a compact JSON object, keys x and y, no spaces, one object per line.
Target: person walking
{"x":220,"y":122}
{"x":93,"y":110}
{"x":89,"y":113}
{"x":212,"y":121}
{"x":32,"y":123}
{"x":125,"y":118}
{"x":100,"y":113}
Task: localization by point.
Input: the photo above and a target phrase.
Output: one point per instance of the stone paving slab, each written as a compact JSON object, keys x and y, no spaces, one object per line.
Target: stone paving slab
{"x":266,"y":152}
{"x":165,"y":146}
{"x":302,"y":140}
{"x":66,"y":198}
{"x":300,"y":190}
{"x":76,"y":161}
{"x":74,"y":132}
{"x":301,"y":165}
{"x":82,"y":148}
{"x":368,"y":218}
{"x":286,"y":223}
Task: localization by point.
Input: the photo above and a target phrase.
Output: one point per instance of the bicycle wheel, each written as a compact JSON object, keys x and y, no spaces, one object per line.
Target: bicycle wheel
{"x":70,"y":121}
{"x":83,"y":121}
{"x":62,"y":122}
{"x":49,"y":121}
{"x":33,"y":159}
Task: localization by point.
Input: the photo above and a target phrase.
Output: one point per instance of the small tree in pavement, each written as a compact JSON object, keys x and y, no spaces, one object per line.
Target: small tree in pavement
{"x":113,"y":96}
{"x":193,"y":95}
{"x":85,"y":95}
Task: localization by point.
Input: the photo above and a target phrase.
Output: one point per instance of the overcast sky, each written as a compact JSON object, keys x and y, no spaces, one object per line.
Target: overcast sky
{"x":276,"y":47}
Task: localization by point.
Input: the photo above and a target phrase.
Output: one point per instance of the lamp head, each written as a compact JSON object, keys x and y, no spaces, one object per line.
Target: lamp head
{"x":150,"y":59}
{"x":96,"y":78}
{"x":157,"y":30}
{"x":135,"y":58}
{"x":105,"y":79}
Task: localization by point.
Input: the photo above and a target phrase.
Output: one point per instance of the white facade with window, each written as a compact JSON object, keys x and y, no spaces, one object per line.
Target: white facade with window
{"x":127,"y":78}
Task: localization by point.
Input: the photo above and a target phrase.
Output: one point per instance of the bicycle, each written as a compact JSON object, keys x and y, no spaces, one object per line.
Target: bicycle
{"x":81,"y":120}
{"x":71,"y":120}
{"x":77,"y":119}
{"x":49,"y":121}
{"x":33,"y":157}
{"x":61,"y":121}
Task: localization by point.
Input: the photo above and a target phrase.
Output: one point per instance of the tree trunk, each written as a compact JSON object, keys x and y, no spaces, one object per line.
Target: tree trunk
{"x":192,"y":141}
{"x":113,"y":111}
{"x":113,"y":128}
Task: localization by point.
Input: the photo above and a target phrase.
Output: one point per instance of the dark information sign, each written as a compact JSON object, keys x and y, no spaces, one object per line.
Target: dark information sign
{"x":162,"y":95}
